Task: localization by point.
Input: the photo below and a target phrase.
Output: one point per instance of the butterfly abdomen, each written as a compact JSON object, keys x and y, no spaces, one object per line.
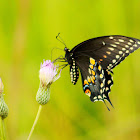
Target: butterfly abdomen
{"x":74,"y":72}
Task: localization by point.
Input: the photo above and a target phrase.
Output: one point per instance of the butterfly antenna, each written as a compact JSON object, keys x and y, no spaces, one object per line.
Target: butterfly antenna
{"x":60,"y":39}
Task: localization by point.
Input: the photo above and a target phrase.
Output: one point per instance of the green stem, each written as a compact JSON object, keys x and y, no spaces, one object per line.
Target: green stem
{"x":2,"y":129}
{"x":35,"y":122}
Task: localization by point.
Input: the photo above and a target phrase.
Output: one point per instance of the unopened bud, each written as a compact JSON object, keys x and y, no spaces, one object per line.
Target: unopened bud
{"x":3,"y":106}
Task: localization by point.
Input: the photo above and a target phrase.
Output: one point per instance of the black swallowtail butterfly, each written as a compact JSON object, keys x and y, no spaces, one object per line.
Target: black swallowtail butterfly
{"x":95,"y":58}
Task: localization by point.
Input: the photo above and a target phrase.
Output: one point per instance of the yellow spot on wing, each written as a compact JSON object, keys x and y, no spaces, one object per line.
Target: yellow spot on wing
{"x":113,"y":45}
{"x":86,"y":82}
{"x":99,"y":68}
{"x":92,"y":79}
{"x":120,"y":52}
{"x":117,"y":56}
{"x":106,"y":88}
{"x":92,"y":61}
{"x":111,"y":37}
{"x":108,"y":82}
{"x":89,"y":80}
{"x":101,"y":60}
{"x":131,"y":40}
{"x":89,"y":70}
{"x":104,"y":56}
{"x":123,"y":49}
{"x":91,"y":66}
{"x":93,"y":72}
{"x":99,"y":97}
{"x":108,"y":52}
{"x":101,"y":91}
{"x":126,"y":46}
{"x":121,"y":40}
{"x":101,"y":76}
{"x":101,"y":85}
{"x":113,"y":60}
{"x":135,"y":45}
{"x":112,"y":49}
{"x":104,"y":96}
{"x":117,"y":42}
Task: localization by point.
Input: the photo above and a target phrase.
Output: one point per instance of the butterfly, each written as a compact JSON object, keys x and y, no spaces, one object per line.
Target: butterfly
{"x":95,"y":59}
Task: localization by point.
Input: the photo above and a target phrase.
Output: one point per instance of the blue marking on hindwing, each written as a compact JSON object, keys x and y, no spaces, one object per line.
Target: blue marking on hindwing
{"x":85,"y":87}
{"x":95,"y":64}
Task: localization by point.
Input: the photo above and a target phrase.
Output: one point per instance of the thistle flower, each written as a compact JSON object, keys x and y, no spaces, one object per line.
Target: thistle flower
{"x":3,"y":106}
{"x":48,"y":74}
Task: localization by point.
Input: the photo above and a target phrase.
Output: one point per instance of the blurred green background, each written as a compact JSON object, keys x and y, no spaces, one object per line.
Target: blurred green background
{"x":27,"y":35}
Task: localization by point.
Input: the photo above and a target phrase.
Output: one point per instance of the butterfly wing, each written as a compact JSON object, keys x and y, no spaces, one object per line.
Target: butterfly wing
{"x":96,"y":57}
{"x":108,"y":84}
{"x":108,"y":51}
{"x":96,"y":81}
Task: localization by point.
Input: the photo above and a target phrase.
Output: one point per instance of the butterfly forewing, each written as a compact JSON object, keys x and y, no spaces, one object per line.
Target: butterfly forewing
{"x":108,"y":51}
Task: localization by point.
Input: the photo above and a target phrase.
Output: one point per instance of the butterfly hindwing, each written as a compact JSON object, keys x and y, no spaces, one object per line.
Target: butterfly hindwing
{"x":97,"y":83}
{"x":108,"y":84}
{"x":94,"y":81}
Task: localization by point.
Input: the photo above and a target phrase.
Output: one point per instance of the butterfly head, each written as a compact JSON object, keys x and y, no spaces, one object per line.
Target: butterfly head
{"x":65,"y":49}
{"x":68,"y":55}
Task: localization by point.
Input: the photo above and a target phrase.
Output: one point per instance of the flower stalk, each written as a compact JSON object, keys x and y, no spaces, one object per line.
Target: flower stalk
{"x":2,"y":129}
{"x":48,"y":74}
{"x":35,"y":122}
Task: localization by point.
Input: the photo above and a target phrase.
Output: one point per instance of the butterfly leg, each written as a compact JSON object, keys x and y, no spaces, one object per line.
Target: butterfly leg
{"x":59,"y":59}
